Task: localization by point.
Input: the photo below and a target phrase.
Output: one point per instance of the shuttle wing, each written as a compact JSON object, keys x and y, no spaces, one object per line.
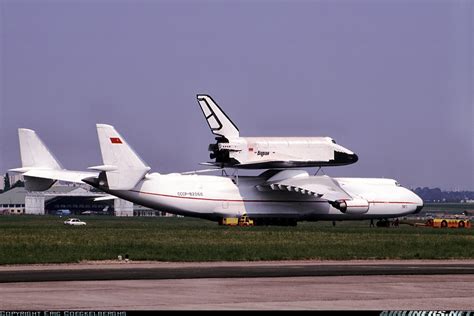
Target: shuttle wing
{"x":323,"y":187}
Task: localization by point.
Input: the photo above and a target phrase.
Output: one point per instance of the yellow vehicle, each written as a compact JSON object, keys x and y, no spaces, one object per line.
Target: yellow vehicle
{"x":230,"y":221}
{"x":449,"y":223}
{"x":244,"y":220}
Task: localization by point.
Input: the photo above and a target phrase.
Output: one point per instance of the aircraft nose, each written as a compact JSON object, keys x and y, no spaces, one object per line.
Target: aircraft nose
{"x":419,"y":208}
{"x":345,"y":158}
{"x":420,"y":204}
{"x":354,"y":158}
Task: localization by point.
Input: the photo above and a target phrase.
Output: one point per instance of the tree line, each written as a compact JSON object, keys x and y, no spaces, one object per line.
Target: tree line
{"x":7,"y":186}
{"x":438,"y":195}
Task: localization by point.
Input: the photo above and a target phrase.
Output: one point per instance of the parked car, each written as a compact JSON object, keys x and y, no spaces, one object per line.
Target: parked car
{"x":74,"y":222}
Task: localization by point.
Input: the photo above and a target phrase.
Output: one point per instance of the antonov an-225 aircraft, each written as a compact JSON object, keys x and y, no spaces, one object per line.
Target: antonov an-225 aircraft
{"x":274,"y":197}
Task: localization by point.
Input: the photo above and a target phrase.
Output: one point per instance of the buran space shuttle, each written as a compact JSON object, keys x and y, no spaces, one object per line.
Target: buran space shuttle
{"x":231,"y":150}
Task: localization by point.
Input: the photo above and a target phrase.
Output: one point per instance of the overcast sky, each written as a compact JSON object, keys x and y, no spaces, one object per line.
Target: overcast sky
{"x":391,"y":80}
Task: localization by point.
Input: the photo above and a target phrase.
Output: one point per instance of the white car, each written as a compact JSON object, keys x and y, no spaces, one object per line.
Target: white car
{"x":74,"y":222}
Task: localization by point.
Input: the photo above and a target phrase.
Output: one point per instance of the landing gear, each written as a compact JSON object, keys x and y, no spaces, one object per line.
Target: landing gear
{"x":276,"y":222}
{"x":383,"y":223}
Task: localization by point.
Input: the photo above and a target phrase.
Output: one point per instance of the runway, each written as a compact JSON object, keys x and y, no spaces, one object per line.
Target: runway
{"x":301,"y":285}
{"x":168,"y":270}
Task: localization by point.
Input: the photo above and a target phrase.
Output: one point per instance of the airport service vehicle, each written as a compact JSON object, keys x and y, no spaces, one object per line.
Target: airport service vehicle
{"x":74,"y":222}
{"x":243,"y":220}
{"x":275,"y":196}
{"x":229,"y":221}
{"x":448,"y":223}
{"x":234,"y":151}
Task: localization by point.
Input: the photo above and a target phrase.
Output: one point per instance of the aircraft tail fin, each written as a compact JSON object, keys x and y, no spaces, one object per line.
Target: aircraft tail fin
{"x":122,"y":166}
{"x":219,"y":123}
{"x":40,"y":168}
{"x":34,"y":153}
{"x":35,"y":156}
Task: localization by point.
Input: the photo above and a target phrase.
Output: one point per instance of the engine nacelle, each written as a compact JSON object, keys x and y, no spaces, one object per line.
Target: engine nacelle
{"x":354,"y":206}
{"x":227,"y":151}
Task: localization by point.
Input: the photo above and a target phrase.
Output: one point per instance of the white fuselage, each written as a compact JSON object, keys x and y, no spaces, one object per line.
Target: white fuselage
{"x":281,"y":152}
{"x":215,"y":197}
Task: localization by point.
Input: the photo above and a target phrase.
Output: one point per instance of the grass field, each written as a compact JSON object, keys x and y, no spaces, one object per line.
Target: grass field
{"x":44,"y":239}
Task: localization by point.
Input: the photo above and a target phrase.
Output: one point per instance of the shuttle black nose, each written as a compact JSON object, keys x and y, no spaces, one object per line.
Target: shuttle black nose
{"x":344,"y":158}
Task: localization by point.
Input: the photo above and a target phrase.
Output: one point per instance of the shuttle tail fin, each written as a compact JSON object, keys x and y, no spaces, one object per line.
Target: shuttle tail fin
{"x":122,"y":166}
{"x":219,"y":123}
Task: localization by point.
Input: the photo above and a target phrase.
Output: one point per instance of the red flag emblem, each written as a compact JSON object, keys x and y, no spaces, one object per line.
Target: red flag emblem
{"x":115,"y":140}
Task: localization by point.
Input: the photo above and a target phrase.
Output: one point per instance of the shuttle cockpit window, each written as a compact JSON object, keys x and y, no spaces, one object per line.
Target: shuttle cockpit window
{"x":333,"y":141}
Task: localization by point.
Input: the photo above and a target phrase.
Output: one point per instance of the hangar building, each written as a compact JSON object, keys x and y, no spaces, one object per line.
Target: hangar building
{"x":76,"y":200}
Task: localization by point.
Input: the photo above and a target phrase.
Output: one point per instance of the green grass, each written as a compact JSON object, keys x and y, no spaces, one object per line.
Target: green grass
{"x":44,"y":239}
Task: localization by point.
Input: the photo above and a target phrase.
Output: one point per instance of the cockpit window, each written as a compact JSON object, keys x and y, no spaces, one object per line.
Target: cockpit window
{"x":333,"y":141}
{"x":397,"y":184}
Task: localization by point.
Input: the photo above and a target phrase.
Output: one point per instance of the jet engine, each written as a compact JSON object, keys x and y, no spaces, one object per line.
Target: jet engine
{"x":354,"y":206}
{"x":225,"y":151}
{"x":221,"y":156}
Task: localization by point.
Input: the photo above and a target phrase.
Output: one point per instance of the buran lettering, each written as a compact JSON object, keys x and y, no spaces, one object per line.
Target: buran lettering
{"x":263,"y":153}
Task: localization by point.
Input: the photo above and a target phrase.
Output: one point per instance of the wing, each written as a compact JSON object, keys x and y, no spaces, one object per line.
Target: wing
{"x":323,"y":187}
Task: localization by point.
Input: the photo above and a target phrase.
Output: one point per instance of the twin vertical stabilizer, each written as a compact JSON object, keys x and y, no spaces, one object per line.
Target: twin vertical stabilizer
{"x":40,"y":168}
{"x":34,"y":153}
{"x":122,"y":166}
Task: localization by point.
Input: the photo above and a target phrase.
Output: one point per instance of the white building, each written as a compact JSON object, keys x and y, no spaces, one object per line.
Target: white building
{"x":76,"y":200}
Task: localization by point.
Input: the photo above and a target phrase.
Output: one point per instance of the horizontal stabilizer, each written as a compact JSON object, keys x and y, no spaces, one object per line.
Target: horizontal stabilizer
{"x":105,"y":198}
{"x":103,"y":168}
{"x":61,"y":175}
